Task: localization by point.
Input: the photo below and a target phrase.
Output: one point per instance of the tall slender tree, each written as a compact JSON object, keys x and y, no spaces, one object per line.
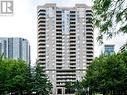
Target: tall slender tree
{"x":42,"y":84}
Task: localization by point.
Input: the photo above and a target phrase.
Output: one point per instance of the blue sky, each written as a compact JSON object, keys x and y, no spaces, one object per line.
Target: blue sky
{"x":24,"y":23}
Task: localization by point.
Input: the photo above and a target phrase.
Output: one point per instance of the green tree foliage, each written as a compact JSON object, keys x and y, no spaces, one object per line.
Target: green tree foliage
{"x":107,"y":74}
{"x":13,"y":75}
{"x":110,"y":17}
{"x":70,"y":87}
{"x":16,"y":77}
{"x":76,"y":87}
{"x":41,"y":83}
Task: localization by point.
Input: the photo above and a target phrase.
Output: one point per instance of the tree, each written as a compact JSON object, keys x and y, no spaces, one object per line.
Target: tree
{"x":16,"y":77}
{"x":13,"y":74}
{"x":41,"y":84}
{"x":107,"y":74}
{"x":76,"y":87}
{"x":18,"y":71}
{"x":3,"y":76}
{"x":110,"y":17}
{"x":70,"y":87}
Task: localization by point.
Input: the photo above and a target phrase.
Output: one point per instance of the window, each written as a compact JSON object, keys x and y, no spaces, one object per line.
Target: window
{"x":59,"y":91}
{"x":72,"y":11}
{"x":58,"y":11}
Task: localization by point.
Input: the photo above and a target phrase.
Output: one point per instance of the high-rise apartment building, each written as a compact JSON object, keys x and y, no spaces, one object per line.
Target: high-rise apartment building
{"x":15,"y":48}
{"x":65,"y":43}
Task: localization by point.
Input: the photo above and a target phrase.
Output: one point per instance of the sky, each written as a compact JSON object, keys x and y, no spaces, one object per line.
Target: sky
{"x":23,"y":23}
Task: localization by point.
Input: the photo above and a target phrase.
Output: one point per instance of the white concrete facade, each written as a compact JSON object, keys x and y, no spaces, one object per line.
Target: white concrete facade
{"x":65,"y":43}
